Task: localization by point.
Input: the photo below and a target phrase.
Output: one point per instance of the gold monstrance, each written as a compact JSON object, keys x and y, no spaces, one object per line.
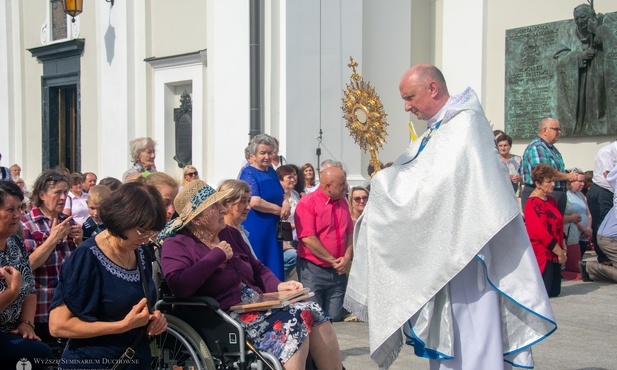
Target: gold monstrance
{"x":363,"y":111}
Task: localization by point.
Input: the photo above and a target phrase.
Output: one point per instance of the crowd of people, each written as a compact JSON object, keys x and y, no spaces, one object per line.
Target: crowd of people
{"x":76,"y":242}
{"x":563,"y":208}
{"x":69,"y":243}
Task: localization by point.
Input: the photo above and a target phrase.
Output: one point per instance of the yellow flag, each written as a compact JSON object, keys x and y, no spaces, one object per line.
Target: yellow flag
{"x":412,"y":131}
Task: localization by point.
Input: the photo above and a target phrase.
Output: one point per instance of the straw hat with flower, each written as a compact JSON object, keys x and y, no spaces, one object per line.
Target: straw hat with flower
{"x":192,"y":200}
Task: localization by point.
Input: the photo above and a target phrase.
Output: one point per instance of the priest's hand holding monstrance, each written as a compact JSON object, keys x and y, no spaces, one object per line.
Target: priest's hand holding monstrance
{"x":364,"y":115}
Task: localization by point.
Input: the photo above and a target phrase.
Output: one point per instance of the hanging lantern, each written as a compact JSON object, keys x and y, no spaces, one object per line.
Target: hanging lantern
{"x":73,"y":8}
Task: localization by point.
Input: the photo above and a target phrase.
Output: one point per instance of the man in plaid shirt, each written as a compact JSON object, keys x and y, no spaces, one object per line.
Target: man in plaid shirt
{"x":542,"y":150}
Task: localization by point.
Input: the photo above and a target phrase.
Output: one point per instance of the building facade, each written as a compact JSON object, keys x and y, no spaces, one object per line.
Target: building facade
{"x":75,"y":93}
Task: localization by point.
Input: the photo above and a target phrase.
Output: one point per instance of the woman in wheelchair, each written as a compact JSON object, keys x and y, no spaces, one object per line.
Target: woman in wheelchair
{"x":201,"y":255}
{"x":99,"y":302}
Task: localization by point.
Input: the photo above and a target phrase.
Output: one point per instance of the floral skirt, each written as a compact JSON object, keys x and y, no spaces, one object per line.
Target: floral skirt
{"x":281,"y":331}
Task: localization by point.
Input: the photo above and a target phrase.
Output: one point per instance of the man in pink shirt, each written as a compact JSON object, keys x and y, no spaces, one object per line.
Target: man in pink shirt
{"x":325,"y":238}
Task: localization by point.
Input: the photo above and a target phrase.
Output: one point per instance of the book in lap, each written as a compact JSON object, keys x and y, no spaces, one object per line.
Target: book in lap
{"x":270,"y":300}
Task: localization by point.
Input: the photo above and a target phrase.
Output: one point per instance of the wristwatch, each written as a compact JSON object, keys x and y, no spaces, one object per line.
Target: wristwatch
{"x":29,"y":323}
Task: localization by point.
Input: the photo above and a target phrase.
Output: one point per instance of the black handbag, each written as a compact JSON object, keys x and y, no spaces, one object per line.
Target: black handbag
{"x":284,"y":231}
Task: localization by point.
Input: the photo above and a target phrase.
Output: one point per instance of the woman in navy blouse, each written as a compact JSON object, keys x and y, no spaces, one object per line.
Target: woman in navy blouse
{"x":100,"y":302}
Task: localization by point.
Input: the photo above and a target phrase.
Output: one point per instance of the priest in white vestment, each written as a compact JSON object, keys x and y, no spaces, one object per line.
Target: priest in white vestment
{"x":442,"y":260}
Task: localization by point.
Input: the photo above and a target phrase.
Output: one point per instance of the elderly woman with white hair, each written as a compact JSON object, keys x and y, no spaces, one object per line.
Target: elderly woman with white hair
{"x":268,"y":203}
{"x":143,"y":154}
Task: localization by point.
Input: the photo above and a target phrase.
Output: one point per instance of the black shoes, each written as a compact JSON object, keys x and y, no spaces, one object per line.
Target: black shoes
{"x":582,"y":265}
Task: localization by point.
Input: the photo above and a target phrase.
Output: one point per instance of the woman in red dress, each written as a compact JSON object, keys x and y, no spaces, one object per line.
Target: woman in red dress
{"x":544,"y":225}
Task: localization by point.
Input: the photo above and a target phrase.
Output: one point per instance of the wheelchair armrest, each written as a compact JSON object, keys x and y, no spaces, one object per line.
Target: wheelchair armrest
{"x":190,"y":301}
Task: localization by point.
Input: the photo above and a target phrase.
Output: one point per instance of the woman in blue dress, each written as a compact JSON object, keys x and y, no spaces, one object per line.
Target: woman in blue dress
{"x":100,"y":303}
{"x":268,"y":203}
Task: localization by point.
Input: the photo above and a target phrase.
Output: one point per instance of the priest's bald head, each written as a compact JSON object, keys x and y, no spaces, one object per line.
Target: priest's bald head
{"x":424,"y":90}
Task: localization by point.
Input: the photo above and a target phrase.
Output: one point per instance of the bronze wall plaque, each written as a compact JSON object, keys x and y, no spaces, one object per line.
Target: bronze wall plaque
{"x":183,"y":118}
{"x":563,"y":69}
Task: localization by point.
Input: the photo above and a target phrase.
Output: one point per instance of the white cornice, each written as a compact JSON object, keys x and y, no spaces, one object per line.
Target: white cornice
{"x":180,"y":60}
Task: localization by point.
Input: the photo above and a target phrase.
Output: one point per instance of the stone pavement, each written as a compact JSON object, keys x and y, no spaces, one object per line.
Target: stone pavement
{"x":586,"y":336}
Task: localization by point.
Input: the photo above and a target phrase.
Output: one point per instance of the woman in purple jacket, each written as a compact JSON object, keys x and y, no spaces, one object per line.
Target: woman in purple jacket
{"x":201,"y":255}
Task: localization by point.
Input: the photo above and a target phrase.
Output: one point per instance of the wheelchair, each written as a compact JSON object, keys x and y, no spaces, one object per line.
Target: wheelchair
{"x":201,"y":336}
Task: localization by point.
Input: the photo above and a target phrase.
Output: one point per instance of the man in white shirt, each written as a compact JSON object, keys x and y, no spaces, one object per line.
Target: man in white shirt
{"x":600,"y":194}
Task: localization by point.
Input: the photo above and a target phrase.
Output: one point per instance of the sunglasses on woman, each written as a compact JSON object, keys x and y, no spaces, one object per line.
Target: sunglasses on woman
{"x":358,"y":199}
{"x":192,"y":174}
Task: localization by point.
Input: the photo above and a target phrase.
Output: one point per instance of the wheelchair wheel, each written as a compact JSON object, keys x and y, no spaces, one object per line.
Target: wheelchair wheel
{"x":180,"y":347}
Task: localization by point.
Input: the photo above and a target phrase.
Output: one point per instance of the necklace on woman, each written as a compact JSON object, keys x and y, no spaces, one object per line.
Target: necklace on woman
{"x":125,"y":265}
